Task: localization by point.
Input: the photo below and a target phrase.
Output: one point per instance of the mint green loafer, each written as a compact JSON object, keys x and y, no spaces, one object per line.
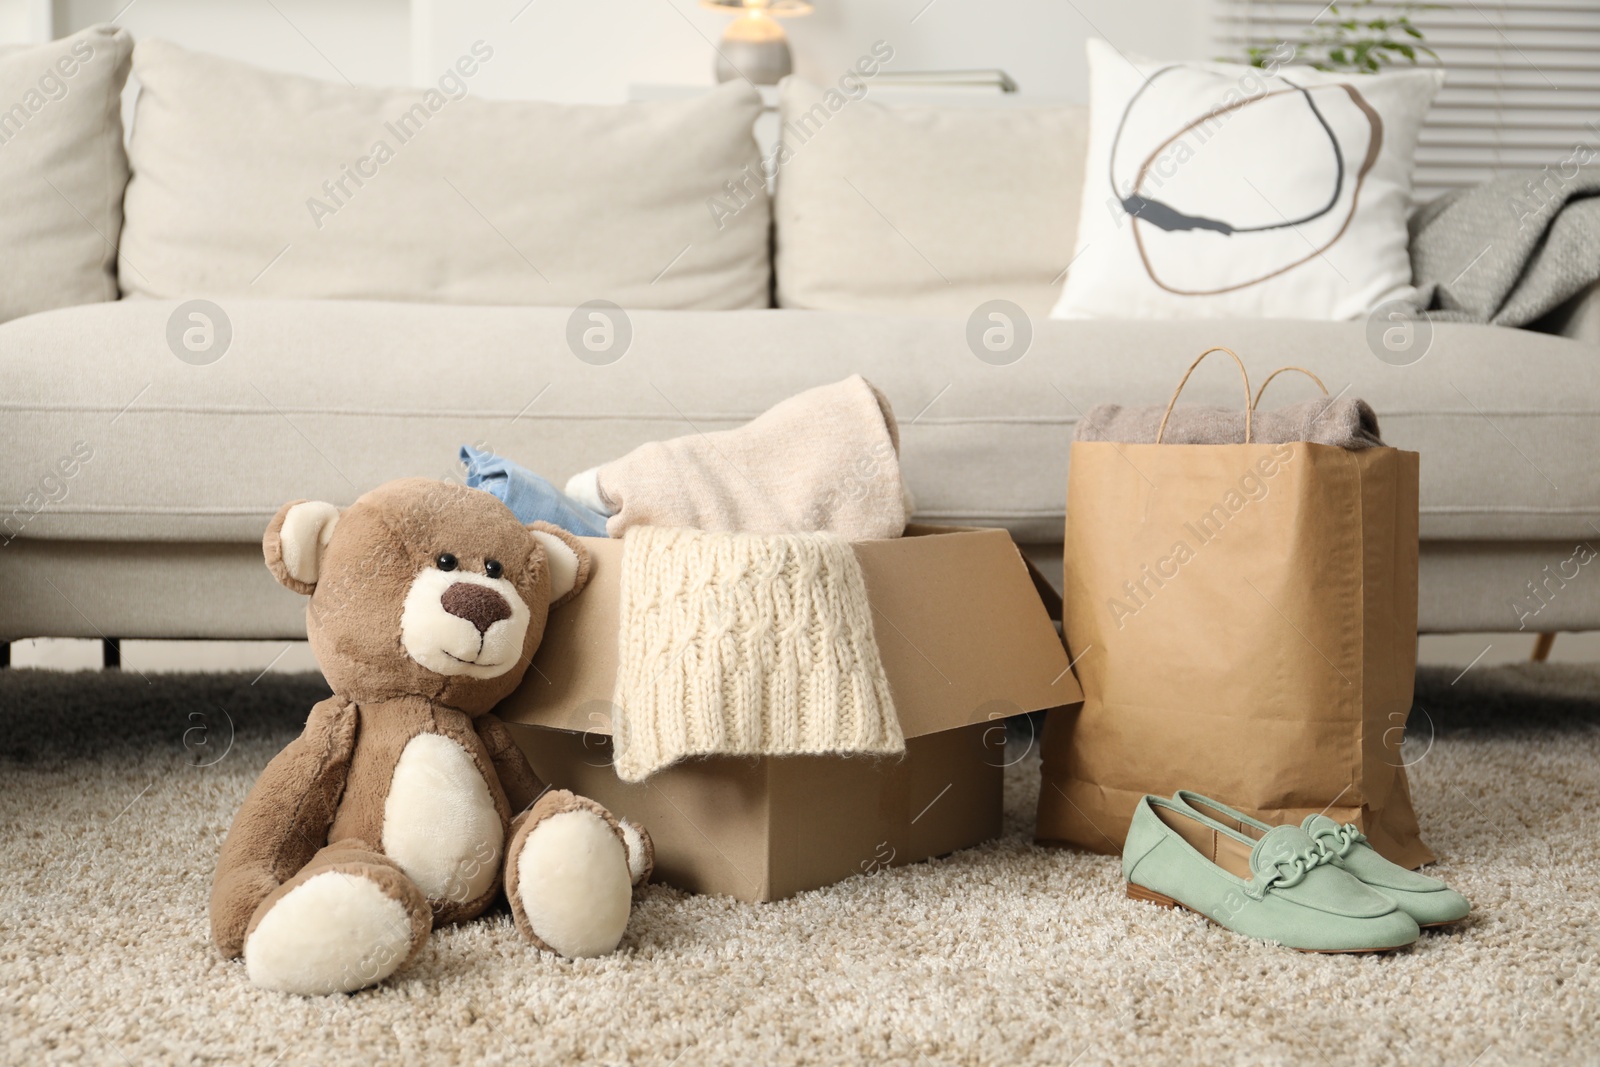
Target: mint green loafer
{"x":1427,"y":900}
{"x":1281,"y":887}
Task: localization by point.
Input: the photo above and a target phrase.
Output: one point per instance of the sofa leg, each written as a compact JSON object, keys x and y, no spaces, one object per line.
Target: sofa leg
{"x":111,"y":653}
{"x":1542,"y":646}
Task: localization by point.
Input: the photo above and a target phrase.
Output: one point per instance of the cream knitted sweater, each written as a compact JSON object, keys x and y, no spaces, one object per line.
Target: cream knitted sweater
{"x":745,"y":644}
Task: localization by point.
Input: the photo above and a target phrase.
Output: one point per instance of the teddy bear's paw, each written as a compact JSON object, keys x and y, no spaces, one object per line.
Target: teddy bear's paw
{"x":335,"y":932}
{"x":641,"y":851}
{"x":568,"y":877}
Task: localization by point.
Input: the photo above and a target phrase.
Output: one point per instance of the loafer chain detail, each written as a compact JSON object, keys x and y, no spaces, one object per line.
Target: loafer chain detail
{"x":1299,"y":865}
{"x":1335,"y":842}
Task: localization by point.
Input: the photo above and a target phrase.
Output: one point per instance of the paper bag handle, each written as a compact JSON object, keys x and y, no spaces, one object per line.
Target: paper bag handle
{"x":1257,"y":401}
{"x":1248,"y":406}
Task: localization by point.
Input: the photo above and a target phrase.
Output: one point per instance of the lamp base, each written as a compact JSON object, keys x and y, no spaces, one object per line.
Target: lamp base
{"x":765,"y":62}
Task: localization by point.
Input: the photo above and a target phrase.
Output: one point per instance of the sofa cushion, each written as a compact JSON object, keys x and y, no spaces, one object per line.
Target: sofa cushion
{"x":927,"y":210}
{"x":1223,"y":191}
{"x":249,"y":182}
{"x":63,"y":170}
{"x":307,"y":403}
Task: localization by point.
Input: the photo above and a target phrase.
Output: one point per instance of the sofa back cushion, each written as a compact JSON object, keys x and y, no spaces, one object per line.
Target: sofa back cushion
{"x":929,"y":210}
{"x":62,"y":170}
{"x":253,"y":183}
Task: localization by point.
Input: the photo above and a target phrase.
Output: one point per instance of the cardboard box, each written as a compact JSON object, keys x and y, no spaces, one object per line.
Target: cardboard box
{"x":966,"y":640}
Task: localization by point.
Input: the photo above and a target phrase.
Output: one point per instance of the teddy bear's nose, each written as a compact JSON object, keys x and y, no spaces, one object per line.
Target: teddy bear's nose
{"x":479,"y":605}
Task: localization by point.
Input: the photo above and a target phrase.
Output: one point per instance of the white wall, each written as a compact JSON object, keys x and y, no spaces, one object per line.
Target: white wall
{"x":364,"y":41}
{"x":592,"y":50}
{"x":1038,"y":42}
{"x":582,"y":50}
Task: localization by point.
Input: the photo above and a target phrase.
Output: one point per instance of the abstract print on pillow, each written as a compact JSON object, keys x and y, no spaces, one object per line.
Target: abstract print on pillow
{"x":1217,"y":190}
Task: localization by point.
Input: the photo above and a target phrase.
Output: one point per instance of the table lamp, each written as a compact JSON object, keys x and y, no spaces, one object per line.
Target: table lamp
{"x":754,"y":45}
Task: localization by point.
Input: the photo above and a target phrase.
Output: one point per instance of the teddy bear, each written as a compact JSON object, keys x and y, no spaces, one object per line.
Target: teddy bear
{"x":405,"y":804}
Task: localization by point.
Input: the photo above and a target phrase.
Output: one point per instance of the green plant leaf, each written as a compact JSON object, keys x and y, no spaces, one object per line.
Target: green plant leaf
{"x":1353,"y":41}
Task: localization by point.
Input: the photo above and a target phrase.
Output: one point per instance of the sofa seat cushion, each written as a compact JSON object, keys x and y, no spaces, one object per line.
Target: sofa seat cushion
{"x":326,"y":399}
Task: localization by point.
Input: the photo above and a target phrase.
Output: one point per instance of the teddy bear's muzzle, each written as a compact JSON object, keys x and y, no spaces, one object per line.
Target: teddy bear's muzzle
{"x":459,"y":622}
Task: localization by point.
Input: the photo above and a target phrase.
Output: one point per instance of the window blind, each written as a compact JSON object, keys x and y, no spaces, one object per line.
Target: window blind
{"x":1522,"y":84}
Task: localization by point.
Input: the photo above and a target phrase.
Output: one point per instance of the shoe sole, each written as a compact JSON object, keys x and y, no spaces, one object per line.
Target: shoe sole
{"x":1150,"y":896}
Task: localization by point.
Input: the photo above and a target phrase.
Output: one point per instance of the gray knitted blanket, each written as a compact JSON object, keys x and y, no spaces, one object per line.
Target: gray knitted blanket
{"x":1511,"y":249}
{"x":1344,"y":422}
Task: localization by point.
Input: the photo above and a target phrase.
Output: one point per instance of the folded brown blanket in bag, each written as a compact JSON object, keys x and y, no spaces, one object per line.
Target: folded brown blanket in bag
{"x":1344,"y":422}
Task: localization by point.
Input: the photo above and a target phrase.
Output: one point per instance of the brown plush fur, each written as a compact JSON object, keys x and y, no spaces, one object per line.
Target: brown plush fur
{"x":522,"y":787}
{"x":283,"y":822}
{"x":320,"y":804}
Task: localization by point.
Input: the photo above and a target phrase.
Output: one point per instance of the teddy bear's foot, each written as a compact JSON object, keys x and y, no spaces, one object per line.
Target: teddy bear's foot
{"x":641,"y":851}
{"x":347,"y":920}
{"x":568,"y":876}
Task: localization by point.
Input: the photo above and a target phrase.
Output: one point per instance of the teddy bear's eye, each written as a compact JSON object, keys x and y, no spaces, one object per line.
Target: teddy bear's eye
{"x":445,"y":561}
{"x":492,"y":568}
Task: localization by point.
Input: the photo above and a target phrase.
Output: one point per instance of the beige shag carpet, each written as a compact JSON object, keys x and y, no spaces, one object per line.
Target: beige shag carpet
{"x":115,"y":791}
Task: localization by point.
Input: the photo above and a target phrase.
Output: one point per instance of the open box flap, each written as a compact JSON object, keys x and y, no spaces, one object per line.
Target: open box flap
{"x":961,"y":630}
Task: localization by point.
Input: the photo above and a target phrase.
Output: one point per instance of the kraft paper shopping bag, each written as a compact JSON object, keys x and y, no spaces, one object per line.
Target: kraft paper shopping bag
{"x":1243,"y":620}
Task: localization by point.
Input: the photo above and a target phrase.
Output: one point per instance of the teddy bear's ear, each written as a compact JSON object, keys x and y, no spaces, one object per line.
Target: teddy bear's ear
{"x":569,"y":561}
{"x":295,"y":541}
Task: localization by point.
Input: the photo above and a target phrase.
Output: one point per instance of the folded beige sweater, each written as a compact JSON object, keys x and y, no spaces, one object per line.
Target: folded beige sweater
{"x":745,"y":644}
{"x":825,"y":459}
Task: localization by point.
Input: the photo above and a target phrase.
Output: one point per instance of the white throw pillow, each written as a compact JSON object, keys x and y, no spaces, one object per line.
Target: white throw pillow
{"x":1218,"y":190}
{"x":62,"y":170}
{"x":247,"y":182}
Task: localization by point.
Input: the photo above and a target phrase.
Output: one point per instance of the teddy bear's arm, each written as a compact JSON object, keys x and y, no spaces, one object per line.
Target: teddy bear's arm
{"x":522,"y":786}
{"x":283,"y":821}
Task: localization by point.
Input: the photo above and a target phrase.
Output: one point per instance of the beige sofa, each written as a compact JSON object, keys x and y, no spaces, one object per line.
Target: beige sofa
{"x":135,"y":485}
{"x":158,"y":534}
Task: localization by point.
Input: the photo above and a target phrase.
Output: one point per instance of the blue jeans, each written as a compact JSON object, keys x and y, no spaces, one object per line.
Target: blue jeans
{"x":529,"y":496}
